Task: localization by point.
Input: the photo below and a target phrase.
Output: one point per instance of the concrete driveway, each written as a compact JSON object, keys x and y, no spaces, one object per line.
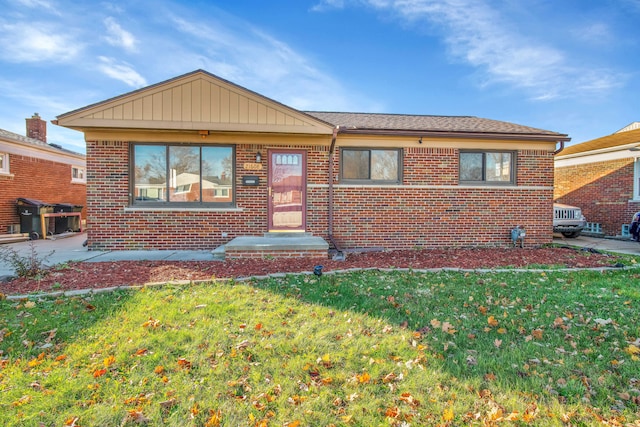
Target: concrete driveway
{"x":619,"y":245}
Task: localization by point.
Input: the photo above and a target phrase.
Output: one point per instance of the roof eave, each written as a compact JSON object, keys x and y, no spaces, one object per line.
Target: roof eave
{"x":455,"y":134}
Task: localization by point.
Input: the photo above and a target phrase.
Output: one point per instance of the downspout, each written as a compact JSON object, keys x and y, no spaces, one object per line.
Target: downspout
{"x":330,"y":197}
{"x":559,"y":149}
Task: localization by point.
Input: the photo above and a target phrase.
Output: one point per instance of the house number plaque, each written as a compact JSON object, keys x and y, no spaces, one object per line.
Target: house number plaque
{"x":252,"y":166}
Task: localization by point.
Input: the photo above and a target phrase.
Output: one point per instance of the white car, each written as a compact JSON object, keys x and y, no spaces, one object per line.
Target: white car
{"x":568,"y":220}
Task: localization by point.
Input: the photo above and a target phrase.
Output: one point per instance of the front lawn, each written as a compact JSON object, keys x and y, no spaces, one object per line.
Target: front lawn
{"x":353,"y":349}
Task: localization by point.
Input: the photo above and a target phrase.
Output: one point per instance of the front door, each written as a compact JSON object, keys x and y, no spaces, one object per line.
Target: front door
{"x":287,"y":190}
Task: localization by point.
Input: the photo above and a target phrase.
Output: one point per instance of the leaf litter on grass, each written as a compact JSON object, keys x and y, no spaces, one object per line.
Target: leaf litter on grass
{"x":353,"y":349}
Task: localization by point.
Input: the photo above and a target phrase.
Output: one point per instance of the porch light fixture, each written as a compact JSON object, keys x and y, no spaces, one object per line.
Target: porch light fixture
{"x":203,"y":133}
{"x":258,"y":157}
{"x":420,"y":140}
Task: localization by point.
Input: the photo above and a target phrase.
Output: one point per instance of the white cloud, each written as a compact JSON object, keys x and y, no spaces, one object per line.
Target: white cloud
{"x":39,"y":4}
{"x":117,"y":36}
{"x":327,"y":4}
{"x":479,"y":35}
{"x":121,"y":71}
{"x":36,"y":42}
{"x":595,"y":33}
{"x":248,"y":56}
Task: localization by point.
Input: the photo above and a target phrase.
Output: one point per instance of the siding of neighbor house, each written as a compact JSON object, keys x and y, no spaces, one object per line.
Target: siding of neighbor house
{"x":602,"y":189}
{"x":598,"y":176}
{"x":38,"y":174}
{"x":428,"y":208}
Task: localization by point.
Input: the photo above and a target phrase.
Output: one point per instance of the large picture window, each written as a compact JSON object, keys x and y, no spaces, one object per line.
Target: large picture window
{"x":183,"y":174}
{"x":489,"y":167}
{"x":371,"y":165}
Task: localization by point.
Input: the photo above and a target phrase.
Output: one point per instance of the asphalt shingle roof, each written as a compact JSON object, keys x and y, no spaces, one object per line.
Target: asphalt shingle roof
{"x":609,"y":141}
{"x":405,"y":122}
{"x":5,"y":134}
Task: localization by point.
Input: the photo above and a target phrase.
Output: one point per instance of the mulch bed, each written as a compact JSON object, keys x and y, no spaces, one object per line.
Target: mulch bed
{"x":93,"y":275}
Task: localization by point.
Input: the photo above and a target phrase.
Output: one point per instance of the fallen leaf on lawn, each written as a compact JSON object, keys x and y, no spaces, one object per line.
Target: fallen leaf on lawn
{"x":497,"y":343}
{"x":137,"y":417}
{"x":215,"y":418}
{"x":22,"y":401}
{"x":168,"y":403}
{"x":109,"y":361}
{"x":363,"y":378}
{"x":391,"y":412}
{"x":537,"y":334}
{"x":447,"y":415}
{"x":184,"y":363}
{"x":50,"y":334}
{"x":632,"y":349}
{"x":603,"y":322}
{"x":435,"y":323}
{"x":99,"y":372}
{"x":29,"y":304}
{"x":151,"y":323}
{"x":558,"y":322}
{"x":492,"y":321}
{"x":71,"y":422}
{"x":448,"y":328}
{"x":295,"y":423}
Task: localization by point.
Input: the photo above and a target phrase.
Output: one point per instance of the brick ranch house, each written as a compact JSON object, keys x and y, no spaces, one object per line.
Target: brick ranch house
{"x":32,"y":168}
{"x":602,"y":176}
{"x":197,"y":161}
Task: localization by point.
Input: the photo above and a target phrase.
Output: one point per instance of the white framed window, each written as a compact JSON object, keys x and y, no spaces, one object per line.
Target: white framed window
{"x":78,"y":174}
{"x":4,"y":163}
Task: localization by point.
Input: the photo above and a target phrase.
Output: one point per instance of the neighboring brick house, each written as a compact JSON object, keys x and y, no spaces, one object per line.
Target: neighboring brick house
{"x":602,"y":176}
{"x":357,"y":180}
{"x":32,"y":168}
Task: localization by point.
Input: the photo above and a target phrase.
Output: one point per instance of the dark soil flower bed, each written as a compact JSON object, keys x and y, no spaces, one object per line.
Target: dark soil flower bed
{"x":87,"y":275}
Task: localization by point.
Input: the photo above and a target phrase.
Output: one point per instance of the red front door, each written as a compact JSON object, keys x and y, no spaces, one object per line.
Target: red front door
{"x":287,"y":190}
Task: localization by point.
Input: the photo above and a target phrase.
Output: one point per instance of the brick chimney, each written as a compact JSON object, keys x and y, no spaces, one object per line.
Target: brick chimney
{"x":37,"y":128}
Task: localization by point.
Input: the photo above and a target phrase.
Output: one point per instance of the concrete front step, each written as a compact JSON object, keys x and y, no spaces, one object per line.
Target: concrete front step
{"x":277,"y":245}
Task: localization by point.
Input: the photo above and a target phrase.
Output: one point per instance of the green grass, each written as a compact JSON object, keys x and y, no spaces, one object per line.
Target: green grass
{"x":353,"y":349}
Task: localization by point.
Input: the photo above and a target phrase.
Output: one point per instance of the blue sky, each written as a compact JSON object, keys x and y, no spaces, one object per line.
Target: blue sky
{"x":570,"y":66}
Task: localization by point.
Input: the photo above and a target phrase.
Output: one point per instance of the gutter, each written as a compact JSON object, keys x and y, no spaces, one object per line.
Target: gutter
{"x":458,"y":134}
{"x":330,"y":198}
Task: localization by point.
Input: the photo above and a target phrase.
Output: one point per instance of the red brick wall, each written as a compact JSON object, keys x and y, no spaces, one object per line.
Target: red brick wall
{"x":436,"y":212}
{"x":601,"y":189}
{"x":39,"y":179}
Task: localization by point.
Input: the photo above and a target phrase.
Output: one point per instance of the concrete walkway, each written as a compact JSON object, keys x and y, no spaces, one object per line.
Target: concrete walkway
{"x":70,"y":249}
